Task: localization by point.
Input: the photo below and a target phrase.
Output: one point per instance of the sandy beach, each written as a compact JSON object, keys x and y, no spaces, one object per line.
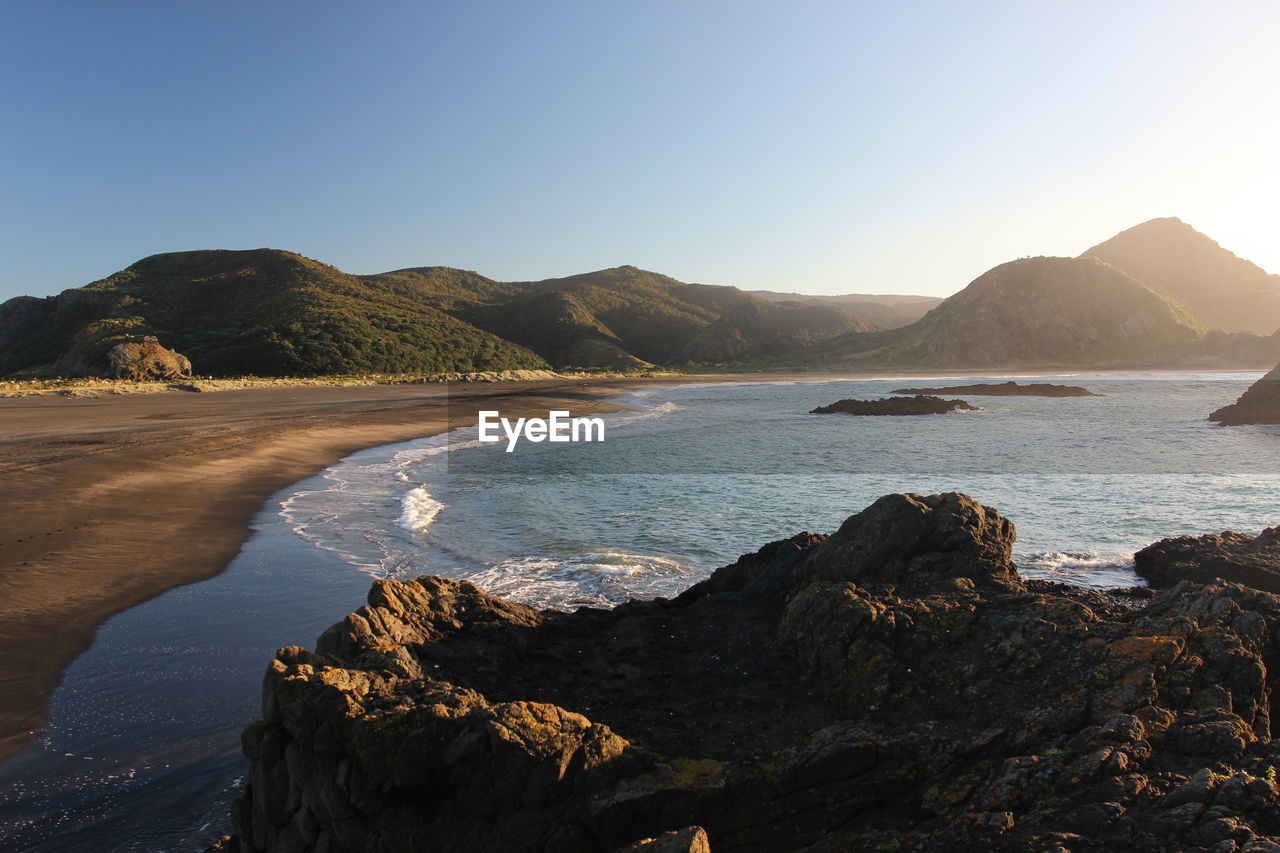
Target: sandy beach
{"x":111,"y":501}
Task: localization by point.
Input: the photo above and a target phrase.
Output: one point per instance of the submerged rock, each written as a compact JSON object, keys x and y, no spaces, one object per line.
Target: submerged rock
{"x":1252,"y":561}
{"x":1258,"y":405}
{"x":896,"y":685}
{"x":1007,"y":389}
{"x":918,"y":405}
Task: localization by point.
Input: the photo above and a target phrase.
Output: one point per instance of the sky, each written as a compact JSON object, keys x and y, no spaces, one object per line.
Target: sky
{"x":819,"y":147}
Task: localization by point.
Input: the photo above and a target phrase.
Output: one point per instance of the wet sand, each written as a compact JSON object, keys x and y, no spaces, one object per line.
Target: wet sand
{"x":107,"y":502}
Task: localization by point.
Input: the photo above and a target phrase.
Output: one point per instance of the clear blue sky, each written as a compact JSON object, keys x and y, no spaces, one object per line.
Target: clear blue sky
{"x":811,"y":146}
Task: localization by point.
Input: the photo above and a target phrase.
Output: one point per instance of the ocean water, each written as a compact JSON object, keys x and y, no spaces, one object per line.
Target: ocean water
{"x":143,"y":754}
{"x":697,"y":474}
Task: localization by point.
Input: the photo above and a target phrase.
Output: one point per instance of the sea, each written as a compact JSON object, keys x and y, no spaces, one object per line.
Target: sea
{"x":142,"y":752}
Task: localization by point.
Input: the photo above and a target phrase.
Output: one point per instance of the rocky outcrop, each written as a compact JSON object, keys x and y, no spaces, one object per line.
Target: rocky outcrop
{"x":918,"y":405}
{"x":147,"y":360}
{"x":1259,"y":405}
{"x":1007,"y":389}
{"x":896,"y":685}
{"x":1252,"y":561}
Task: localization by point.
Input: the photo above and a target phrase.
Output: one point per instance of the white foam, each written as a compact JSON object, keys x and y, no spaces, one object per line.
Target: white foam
{"x":658,"y":411}
{"x":600,"y":579}
{"x":1092,"y":569}
{"x":418,"y":510}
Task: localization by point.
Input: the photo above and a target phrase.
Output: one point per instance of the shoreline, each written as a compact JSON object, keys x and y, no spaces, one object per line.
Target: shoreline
{"x":112,"y":501}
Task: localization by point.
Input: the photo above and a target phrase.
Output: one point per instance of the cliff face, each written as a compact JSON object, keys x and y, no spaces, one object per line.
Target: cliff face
{"x":1259,"y":405}
{"x":896,"y":685}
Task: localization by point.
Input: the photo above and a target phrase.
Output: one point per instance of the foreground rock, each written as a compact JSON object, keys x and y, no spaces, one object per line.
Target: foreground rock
{"x":1252,"y":561}
{"x":1259,"y":405}
{"x":894,"y":686}
{"x":147,"y":360}
{"x":918,"y":405}
{"x":1007,"y":389}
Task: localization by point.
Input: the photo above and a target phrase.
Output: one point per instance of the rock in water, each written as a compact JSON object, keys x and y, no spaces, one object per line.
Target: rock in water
{"x":1007,"y":389}
{"x":1248,"y":560}
{"x":918,"y":405}
{"x":147,"y":360}
{"x":896,"y":685}
{"x":1259,"y":405}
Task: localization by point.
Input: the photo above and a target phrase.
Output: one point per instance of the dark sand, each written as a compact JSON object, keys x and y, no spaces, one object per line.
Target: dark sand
{"x":111,"y":501}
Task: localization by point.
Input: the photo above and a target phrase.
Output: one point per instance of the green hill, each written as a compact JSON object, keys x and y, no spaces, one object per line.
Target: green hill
{"x":647,"y":315}
{"x":888,"y":311}
{"x":618,"y":317}
{"x":262,"y":311}
{"x":762,"y":330}
{"x":1221,"y":290}
{"x":270,"y":312}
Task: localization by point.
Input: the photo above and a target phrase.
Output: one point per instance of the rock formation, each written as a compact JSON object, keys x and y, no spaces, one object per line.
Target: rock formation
{"x":1259,"y":405}
{"x":1007,"y":389}
{"x":895,"y":686}
{"x":147,"y":360}
{"x":1252,"y":561}
{"x":918,"y":405}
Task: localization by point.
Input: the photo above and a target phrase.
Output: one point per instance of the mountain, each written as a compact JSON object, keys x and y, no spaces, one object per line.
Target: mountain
{"x":889,"y":311}
{"x":648,"y":315}
{"x":272,"y":312}
{"x":1033,"y":312}
{"x":1142,"y":299}
{"x":1221,"y":290}
{"x":618,"y":317}
{"x":554,"y":323}
{"x":626,"y":317}
{"x":756,"y":330}
{"x":261,"y":311}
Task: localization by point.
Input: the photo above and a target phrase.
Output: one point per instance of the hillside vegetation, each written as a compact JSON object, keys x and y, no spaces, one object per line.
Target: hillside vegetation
{"x":275,"y":313}
{"x":1158,"y":295}
{"x":263,"y":311}
{"x":889,"y":311}
{"x":759,"y":330}
{"x":619,"y":317}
